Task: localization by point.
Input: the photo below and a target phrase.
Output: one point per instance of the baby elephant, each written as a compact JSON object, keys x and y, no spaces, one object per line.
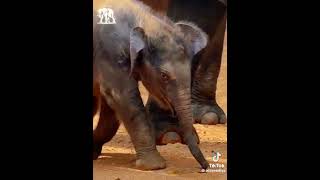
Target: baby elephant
{"x":142,"y":46}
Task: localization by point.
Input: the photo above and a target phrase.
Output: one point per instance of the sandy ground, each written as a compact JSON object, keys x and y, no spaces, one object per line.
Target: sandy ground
{"x":118,"y":155}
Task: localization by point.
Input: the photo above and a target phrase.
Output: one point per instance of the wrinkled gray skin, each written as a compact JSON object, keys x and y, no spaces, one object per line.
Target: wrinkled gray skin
{"x":124,"y":55}
{"x":210,"y":16}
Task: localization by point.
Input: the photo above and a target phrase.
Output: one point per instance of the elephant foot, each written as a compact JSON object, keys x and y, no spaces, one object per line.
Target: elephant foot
{"x":173,"y":137}
{"x":208,"y":114}
{"x":170,"y":133}
{"x":169,"y":138}
{"x":96,"y":151}
{"x":150,"y":161}
{"x":165,"y":124}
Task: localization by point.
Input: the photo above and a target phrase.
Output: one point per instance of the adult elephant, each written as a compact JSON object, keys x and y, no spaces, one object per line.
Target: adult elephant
{"x":211,"y":17}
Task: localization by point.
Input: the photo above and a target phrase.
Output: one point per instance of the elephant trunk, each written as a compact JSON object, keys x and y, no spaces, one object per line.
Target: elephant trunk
{"x":183,"y":108}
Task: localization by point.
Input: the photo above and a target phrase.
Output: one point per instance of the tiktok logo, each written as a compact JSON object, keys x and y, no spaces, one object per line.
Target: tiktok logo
{"x":215,"y":156}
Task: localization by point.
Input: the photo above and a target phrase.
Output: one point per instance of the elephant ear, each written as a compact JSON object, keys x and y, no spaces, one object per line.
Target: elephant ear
{"x":194,"y":35}
{"x":137,"y":44}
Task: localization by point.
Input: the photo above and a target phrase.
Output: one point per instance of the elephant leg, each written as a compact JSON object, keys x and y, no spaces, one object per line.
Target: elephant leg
{"x":129,"y":108}
{"x":166,"y":126}
{"x":204,"y":85}
{"x":106,"y":128}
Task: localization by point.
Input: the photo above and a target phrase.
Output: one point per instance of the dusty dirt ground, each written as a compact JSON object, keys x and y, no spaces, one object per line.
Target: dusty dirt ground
{"x":118,"y":155}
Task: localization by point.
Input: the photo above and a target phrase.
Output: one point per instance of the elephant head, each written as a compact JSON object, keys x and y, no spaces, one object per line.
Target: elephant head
{"x":163,"y":64}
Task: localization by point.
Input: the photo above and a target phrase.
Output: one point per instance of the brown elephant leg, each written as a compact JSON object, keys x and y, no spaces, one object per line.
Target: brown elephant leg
{"x":106,"y":128}
{"x":107,"y":124}
{"x":205,"y":108}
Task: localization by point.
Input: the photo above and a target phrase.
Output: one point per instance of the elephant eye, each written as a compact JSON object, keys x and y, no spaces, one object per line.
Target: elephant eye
{"x":164,"y":77}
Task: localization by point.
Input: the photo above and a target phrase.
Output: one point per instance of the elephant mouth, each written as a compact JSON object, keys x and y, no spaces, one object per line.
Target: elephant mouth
{"x":167,"y":103}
